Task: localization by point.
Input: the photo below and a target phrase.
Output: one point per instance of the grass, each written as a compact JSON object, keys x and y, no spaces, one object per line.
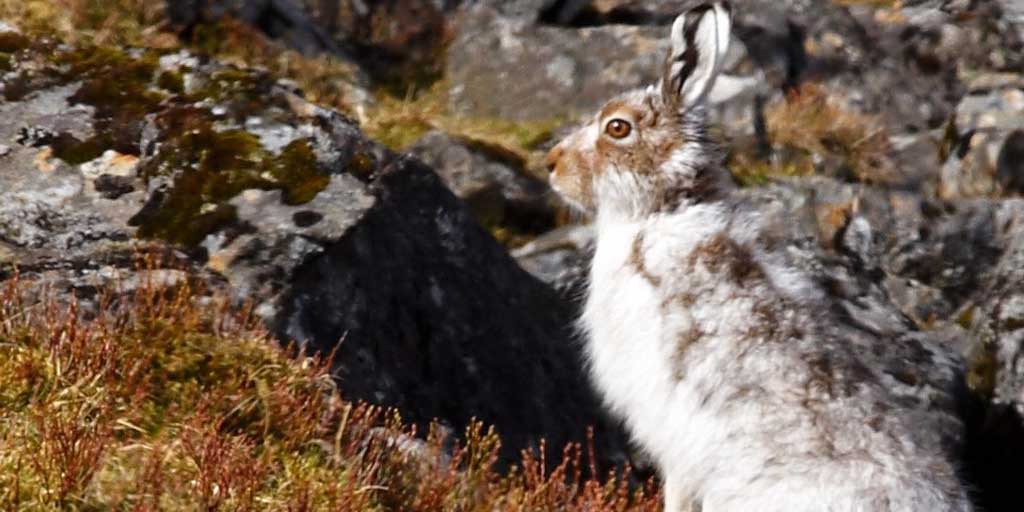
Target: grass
{"x":170,"y":400}
{"x":398,"y":122}
{"x":809,"y":126}
{"x":115,"y":22}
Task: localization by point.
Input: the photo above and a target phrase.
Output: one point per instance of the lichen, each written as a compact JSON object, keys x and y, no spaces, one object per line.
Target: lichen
{"x":210,"y":167}
{"x":205,"y":164}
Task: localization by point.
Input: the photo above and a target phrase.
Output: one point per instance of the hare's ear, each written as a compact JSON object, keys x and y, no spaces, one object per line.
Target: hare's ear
{"x":700,"y":40}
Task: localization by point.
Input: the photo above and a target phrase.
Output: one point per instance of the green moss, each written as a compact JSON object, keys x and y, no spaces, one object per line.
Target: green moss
{"x":295,"y":170}
{"x":76,"y":152}
{"x":6,"y":62}
{"x":211,"y":167}
{"x":208,"y":166}
{"x":362,"y":165}
{"x":399,"y":134}
{"x":116,"y":84}
{"x":171,"y":81}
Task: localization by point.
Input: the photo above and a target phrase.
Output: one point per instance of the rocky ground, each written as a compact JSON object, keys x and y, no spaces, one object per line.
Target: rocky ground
{"x":395,"y":217}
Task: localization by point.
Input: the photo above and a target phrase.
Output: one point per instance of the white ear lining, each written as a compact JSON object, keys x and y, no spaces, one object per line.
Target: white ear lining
{"x":723,"y":20}
{"x":706,"y":41}
{"x":698,"y":51}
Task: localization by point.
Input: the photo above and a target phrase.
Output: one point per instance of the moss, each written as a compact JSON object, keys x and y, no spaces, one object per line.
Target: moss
{"x":362,"y":165}
{"x":11,"y":42}
{"x":210,"y":168}
{"x":75,"y":152}
{"x":966,"y":318}
{"x":120,"y":87}
{"x":171,"y":81}
{"x":6,"y":62}
{"x":296,"y":173}
{"x":981,"y":370}
{"x":207,"y":166}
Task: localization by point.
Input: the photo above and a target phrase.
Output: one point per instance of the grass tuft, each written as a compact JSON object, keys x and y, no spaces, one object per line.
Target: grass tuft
{"x":810,"y":132}
{"x":169,"y":399}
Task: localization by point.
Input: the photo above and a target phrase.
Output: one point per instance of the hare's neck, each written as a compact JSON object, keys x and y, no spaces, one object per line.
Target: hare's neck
{"x":629,"y":197}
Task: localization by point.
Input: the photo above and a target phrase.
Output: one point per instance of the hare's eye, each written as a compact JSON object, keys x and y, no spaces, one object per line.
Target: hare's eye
{"x":618,"y":129}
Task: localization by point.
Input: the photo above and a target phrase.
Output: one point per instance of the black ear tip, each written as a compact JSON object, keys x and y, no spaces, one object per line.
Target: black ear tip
{"x":701,"y":9}
{"x":705,"y":7}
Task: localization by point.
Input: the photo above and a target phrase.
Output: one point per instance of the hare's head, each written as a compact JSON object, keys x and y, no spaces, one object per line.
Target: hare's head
{"x":647,"y":150}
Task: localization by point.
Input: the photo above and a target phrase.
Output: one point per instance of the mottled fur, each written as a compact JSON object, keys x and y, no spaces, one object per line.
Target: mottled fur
{"x":728,"y":365}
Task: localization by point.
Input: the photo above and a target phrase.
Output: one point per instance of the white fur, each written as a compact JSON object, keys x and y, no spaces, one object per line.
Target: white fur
{"x":725,"y":361}
{"x":712,"y":452}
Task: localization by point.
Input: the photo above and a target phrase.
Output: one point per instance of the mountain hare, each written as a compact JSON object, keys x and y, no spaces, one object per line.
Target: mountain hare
{"x":733,"y":369}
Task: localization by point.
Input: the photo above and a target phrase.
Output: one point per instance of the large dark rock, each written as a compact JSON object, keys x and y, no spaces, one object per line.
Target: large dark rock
{"x":337,"y":242}
{"x":494,"y":183}
{"x":436,"y":318}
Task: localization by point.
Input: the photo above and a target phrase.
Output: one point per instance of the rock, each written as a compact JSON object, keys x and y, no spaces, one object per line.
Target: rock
{"x":239,"y":183}
{"x":1010,"y":164}
{"x":995,"y":321}
{"x":288,"y":21}
{"x":284,"y":19}
{"x":560,"y":258}
{"x":985,"y":120}
{"x":399,"y":42}
{"x":493,"y":183}
{"x":505,"y":67}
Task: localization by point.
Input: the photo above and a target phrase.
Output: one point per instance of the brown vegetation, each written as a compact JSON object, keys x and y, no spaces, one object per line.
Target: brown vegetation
{"x":168,"y":399}
{"x":809,"y":131}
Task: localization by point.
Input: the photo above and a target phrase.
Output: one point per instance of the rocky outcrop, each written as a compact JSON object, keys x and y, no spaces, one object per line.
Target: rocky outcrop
{"x":337,"y":242}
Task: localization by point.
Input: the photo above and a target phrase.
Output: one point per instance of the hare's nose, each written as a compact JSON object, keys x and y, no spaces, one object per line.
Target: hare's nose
{"x":551,"y":162}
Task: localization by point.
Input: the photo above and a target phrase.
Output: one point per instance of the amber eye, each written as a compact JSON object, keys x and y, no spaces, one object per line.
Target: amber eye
{"x":618,"y":129}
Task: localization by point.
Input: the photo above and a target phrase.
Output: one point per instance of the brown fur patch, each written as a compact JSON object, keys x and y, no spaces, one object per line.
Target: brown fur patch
{"x":685,"y":299}
{"x":684,"y":341}
{"x":636,"y":260}
{"x":721,"y":254}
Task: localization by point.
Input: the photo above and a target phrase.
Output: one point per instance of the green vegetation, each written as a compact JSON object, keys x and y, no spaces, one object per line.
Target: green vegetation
{"x":398,"y":123}
{"x":210,"y":168}
{"x":169,"y":400}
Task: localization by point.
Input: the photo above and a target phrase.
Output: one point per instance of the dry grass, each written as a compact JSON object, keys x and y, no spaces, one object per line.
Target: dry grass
{"x":121,"y":22}
{"x":810,"y":132}
{"x":169,"y":400}
{"x":398,"y":122}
